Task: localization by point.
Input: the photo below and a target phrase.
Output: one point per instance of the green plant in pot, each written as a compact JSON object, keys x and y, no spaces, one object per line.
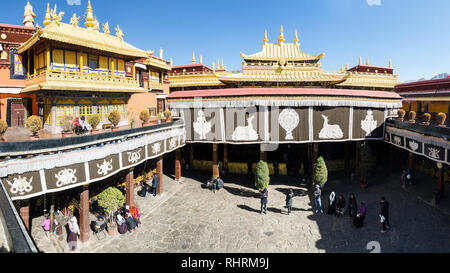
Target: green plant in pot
{"x":262,"y":177}
{"x":366,"y":164}
{"x":160,"y":117}
{"x":3,"y":128}
{"x":111,"y":199}
{"x":441,"y":117}
{"x":144,"y":116}
{"x":114,"y":118}
{"x":34,"y":124}
{"x":412,"y":117}
{"x":426,"y":118}
{"x":168,"y":115}
{"x":401,"y":114}
{"x":94,"y":121}
{"x":320,"y":172}
{"x":67,"y":126}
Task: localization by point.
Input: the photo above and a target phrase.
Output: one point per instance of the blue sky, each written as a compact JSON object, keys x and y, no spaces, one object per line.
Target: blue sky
{"x":414,"y":34}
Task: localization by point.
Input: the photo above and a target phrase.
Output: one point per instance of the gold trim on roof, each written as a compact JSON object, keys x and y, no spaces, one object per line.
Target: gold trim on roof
{"x":286,"y":51}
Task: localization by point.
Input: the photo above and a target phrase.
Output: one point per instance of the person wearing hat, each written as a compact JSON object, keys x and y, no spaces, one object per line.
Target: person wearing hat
{"x":318,"y":201}
{"x":332,"y":203}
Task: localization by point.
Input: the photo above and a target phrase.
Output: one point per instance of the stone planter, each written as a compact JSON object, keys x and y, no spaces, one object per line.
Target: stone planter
{"x":34,"y":138}
{"x":112,"y":230}
{"x":66,"y":134}
{"x":169,"y":119}
{"x":114,"y":129}
{"x":95,"y":132}
{"x":153,"y":122}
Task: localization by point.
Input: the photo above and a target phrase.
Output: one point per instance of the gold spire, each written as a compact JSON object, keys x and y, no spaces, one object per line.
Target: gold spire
{"x":47,"y":19}
{"x":281,"y":37}
{"x":359,"y":60}
{"x":213,"y":66}
{"x":265,"y":37}
{"x":367,"y":62}
{"x":171,"y":62}
{"x":342,"y":68}
{"x":200,"y":59}
{"x":221,"y":65}
{"x":193,"y":57}
{"x":28,"y":16}
{"x":296,"y":38}
{"x":161,"y":52}
{"x":390,"y":64}
{"x":346,"y":67}
{"x":218,"y":64}
{"x":90,"y":21}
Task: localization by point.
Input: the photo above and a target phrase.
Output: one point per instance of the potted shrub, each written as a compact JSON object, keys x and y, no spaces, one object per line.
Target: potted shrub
{"x":441,"y":117}
{"x":93,"y":121}
{"x":144,"y":116}
{"x":67,"y":126}
{"x":168,"y":115}
{"x":3,"y":128}
{"x":401,"y":114}
{"x":426,"y":119}
{"x":367,"y":162}
{"x":320,"y":172}
{"x":160,"y":117}
{"x":34,"y":124}
{"x":262,"y":178}
{"x":412,"y":117}
{"x":114,"y":118}
{"x":111,"y":200}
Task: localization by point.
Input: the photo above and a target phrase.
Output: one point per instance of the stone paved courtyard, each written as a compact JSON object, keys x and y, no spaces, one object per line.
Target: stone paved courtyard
{"x":195,"y":220}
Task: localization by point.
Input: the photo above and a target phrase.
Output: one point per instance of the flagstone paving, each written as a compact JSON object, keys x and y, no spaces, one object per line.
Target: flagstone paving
{"x":193,"y":219}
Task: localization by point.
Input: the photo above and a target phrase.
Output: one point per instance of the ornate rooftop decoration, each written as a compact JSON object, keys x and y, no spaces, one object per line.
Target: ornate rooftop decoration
{"x":47,"y":18}
{"x":90,"y":21}
{"x":119,"y":33}
{"x":74,"y":20}
{"x":106,"y":28}
{"x":281,"y":37}
{"x":56,"y":17}
{"x":28,"y":17}
{"x":96,"y":25}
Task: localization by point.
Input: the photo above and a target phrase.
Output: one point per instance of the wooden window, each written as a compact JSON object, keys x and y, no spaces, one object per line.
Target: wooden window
{"x":103,"y":65}
{"x":93,"y":62}
{"x":58,"y":60}
{"x":86,"y":111}
{"x":70,"y":60}
{"x":48,"y":114}
{"x":18,"y":65}
{"x":62,"y":111}
{"x":103,"y":112}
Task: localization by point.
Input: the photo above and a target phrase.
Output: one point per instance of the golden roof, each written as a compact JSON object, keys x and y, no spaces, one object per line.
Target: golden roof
{"x":282,"y":77}
{"x":78,"y":36}
{"x":286,"y":51}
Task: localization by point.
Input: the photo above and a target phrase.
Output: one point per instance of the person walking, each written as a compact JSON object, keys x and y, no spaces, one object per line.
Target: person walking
{"x":317,"y":198}
{"x":289,"y":199}
{"x":340,"y":205}
{"x":332,"y":203}
{"x":155,"y":184}
{"x":352,"y":206}
{"x":358,"y":221}
{"x":264,"y":195}
{"x":74,"y":231}
{"x":384,"y":214}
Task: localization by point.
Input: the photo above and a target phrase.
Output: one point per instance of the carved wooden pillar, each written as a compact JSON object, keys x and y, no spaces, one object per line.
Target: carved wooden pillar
{"x":346,"y":158}
{"x":84,"y":214}
{"x":25,"y":214}
{"x":159,"y":173}
{"x":439,"y":177}
{"x":215,"y":166}
{"x":225,"y":156}
{"x":52,"y":211}
{"x":129,"y":188}
{"x":357,"y":152}
{"x":191,"y":156}
{"x":178,"y":164}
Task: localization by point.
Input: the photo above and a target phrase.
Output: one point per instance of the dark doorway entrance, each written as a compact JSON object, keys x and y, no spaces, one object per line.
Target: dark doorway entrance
{"x":18,"y":109}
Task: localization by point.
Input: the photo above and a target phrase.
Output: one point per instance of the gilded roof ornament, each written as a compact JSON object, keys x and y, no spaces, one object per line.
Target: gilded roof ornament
{"x":96,"y":25}
{"x":367,"y":61}
{"x":106,"y":28}
{"x":161,"y":52}
{"x":90,"y":21}
{"x":281,"y":37}
{"x":265,"y":37}
{"x":47,"y":18}
{"x":296,"y":38}
{"x":390,"y":64}
{"x":193,"y":57}
{"x":74,"y":20}
{"x":359,"y":60}
{"x":56,"y":17}
{"x":200,"y":59}
{"x":119,"y":33}
{"x":28,"y":16}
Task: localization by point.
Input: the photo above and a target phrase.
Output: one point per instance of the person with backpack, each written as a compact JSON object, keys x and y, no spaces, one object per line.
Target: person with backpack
{"x":384,"y":214}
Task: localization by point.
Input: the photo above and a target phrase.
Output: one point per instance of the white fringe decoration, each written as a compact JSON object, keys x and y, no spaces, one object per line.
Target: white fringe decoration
{"x":419,"y":137}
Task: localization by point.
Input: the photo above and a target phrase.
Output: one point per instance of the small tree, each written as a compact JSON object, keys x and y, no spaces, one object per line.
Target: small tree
{"x":34,"y":124}
{"x":93,"y":120}
{"x":366,"y":163}
{"x":67,"y":124}
{"x":114,"y":118}
{"x":401,"y":114}
{"x":441,"y":117}
{"x":262,"y":178}
{"x":144,"y":116}
{"x":111,"y":200}
{"x":3,"y":127}
{"x":427,"y":118}
{"x":412,"y":116}
{"x":320,"y":172}
{"x":167,"y":113}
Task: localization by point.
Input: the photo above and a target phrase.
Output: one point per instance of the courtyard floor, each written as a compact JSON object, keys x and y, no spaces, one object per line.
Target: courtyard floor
{"x":195,"y":220}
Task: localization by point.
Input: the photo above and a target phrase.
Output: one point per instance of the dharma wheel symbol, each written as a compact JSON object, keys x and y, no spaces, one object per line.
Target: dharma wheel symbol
{"x":289,"y":120}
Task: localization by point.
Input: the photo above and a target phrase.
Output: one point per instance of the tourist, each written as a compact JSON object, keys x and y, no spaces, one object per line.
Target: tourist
{"x":264,"y":198}
{"x":289,"y":199}
{"x":358,"y":221}
{"x":131,"y":224}
{"x":136,"y":216}
{"x":154,"y":184}
{"x":46,"y":223}
{"x":214,"y":185}
{"x":74,"y":231}
{"x":84,"y":125}
{"x":77,"y":127}
{"x":121,"y":224}
{"x":332,"y":203}
{"x":340,"y":205}
{"x":352,"y":206}
{"x":384,"y":214}
{"x":318,"y":200}
{"x":143,"y":191}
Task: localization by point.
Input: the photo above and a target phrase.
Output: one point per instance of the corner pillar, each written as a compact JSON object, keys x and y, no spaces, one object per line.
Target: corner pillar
{"x":159,"y":173}
{"x":129,"y":188}
{"x":25,"y":214}
{"x":84,"y":214}
{"x":215,"y":166}
{"x":178,"y":164}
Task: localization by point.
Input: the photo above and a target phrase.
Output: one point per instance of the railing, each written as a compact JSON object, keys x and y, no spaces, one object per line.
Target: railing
{"x":429,"y":130}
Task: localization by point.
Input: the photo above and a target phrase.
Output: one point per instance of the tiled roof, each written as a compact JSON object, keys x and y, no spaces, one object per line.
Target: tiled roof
{"x":287,"y":51}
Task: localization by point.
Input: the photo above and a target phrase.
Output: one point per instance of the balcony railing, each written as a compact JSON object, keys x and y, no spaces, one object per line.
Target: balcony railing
{"x":429,"y":130}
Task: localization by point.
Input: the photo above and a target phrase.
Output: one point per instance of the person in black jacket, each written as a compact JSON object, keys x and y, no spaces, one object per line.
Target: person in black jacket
{"x":340,"y":205}
{"x":155,"y":182}
{"x":384,"y":211}
{"x":352,"y":206}
{"x":264,"y":195}
{"x":289,"y":198}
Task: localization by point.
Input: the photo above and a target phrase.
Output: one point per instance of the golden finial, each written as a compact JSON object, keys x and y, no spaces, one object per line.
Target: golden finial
{"x":367,"y":61}
{"x":28,"y":16}
{"x":213,"y":66}
{"x":171,"y":62}
{"x":296,"y":38}
{"x":359,"y":60}
{"x":346,"y":67}
{"x":96,"y":25}
{"x":342,"y":68}
{"x":265,"y":37}
{"x":90,"y":21}
{"x":390,"y":64}
{"x":193,"y":57}
{"x":281,"y":37}
{"x":221,"y":65}
{"x":218,"y":64}
{"x":200,"y":59}
{"x":106,"y":28}
{"x":56,"y":17}
{"x":74,"y":20}
{"x":161,"y":52}
{"x":48,"y":18}
{"x":119,"y":33}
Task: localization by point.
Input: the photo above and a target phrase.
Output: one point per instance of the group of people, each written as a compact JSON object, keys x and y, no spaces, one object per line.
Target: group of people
{"x":127,"y":219}
{"x":80,"y":126}
{"x":357,"y":214}
{"x":215,"y":184}
{"x":146,"y":188}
